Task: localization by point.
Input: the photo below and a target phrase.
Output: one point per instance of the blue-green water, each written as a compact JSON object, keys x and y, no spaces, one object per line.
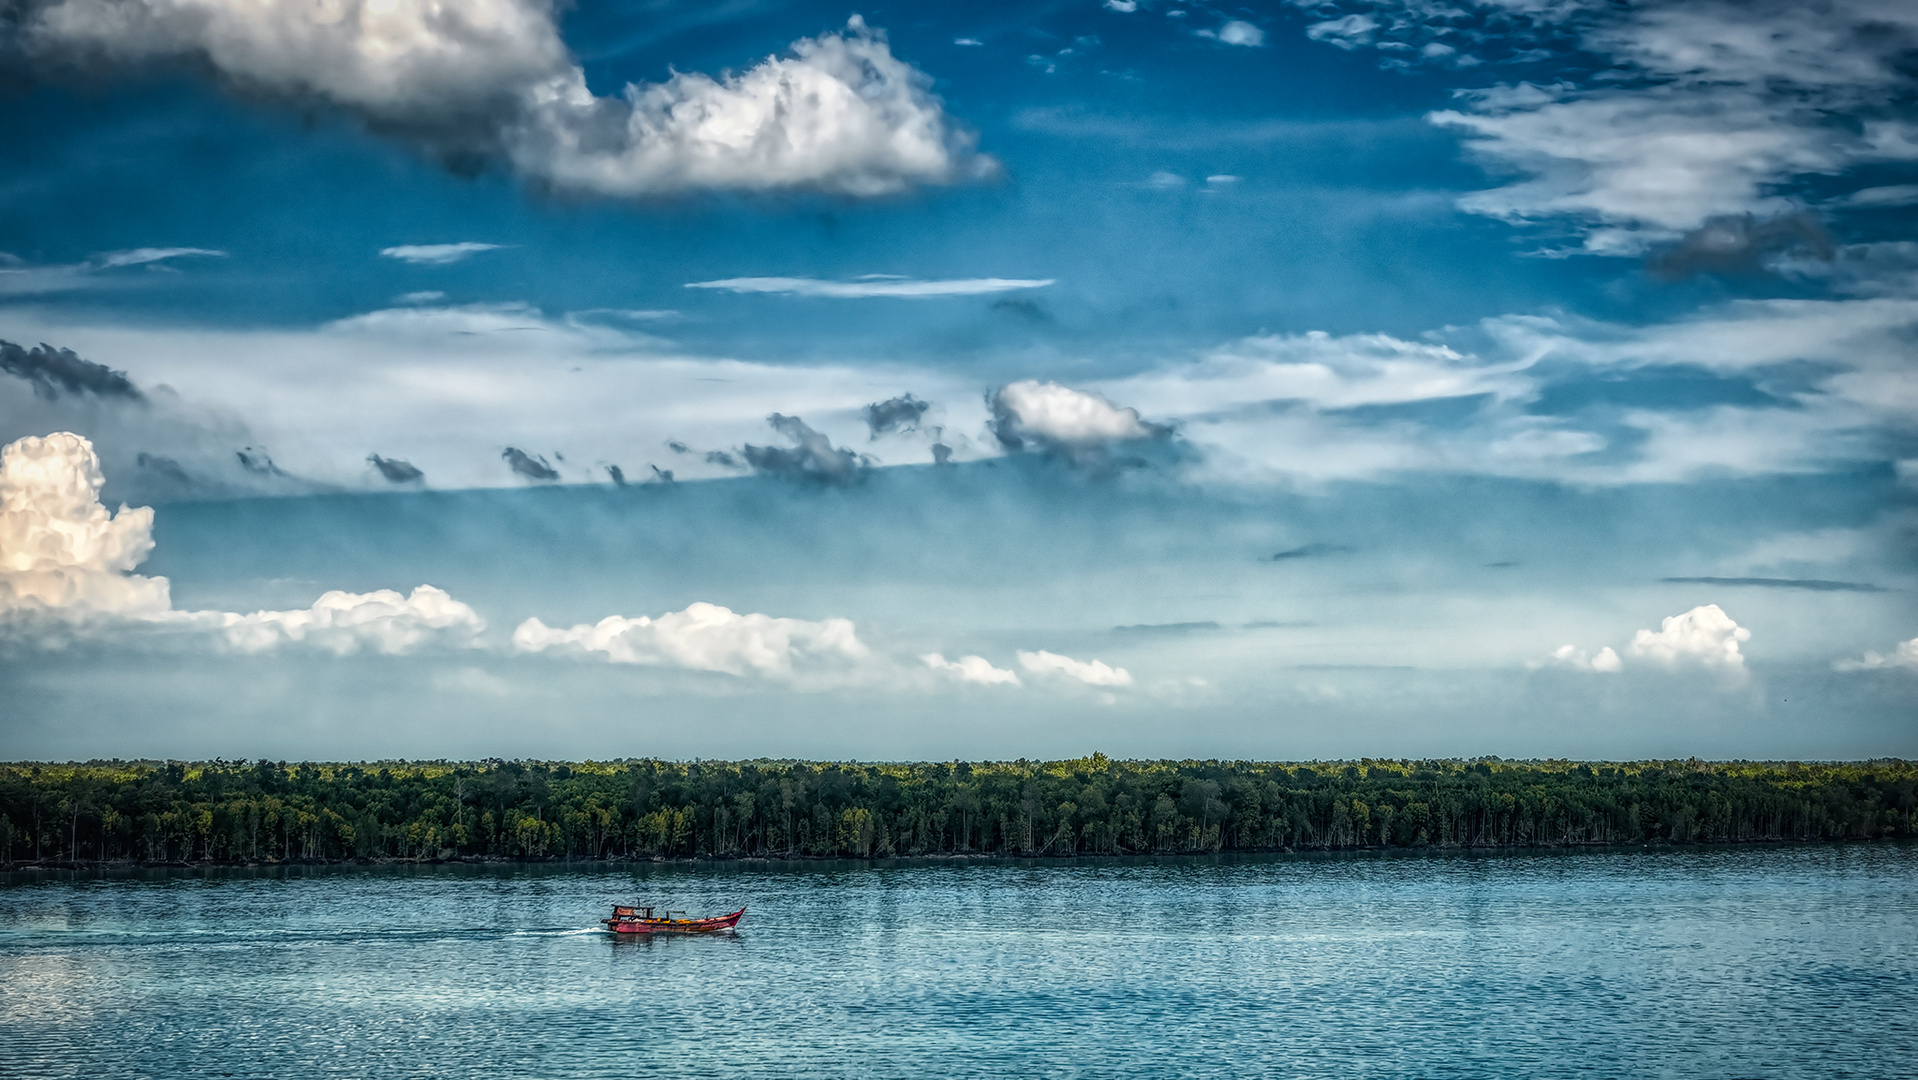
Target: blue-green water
{"x":1758,"y":962}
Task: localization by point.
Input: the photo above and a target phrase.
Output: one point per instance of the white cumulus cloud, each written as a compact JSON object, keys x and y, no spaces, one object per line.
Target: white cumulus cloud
{"x":1904,"y":656}
{"x":60,"y":550}
{"x":396,"y":60}
{"x":705,"y":637}
{"x":436,"y":254}
{"x":493,"y":78}
{"x":1090,"y":672}
{"x":972,"y":669}
{"x":876,"y":285}
{"x":1705,"y":635}
{"x":66,"y":570}
{"x":343,"y":622}
{"x":842,"y":114}
{"x":1061,"y":418}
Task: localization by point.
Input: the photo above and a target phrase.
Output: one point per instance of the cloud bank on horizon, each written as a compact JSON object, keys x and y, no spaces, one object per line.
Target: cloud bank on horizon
{"x":64,"y":556}
{"x":67,"y":575}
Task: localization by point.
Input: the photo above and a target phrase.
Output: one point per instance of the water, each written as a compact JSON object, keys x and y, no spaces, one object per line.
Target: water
{"x":1758,"y":962}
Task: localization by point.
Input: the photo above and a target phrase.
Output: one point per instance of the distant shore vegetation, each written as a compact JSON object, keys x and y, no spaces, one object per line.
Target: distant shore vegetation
{"x":273,"y":812}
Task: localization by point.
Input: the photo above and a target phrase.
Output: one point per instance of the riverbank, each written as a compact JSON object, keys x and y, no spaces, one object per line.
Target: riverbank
{"x":925,"y":858}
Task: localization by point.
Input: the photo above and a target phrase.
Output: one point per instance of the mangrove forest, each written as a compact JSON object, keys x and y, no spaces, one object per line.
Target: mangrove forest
{"x":265,"y":812}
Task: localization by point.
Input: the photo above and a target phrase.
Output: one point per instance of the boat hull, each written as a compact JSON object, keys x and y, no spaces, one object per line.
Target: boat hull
{"x":674,"y":926}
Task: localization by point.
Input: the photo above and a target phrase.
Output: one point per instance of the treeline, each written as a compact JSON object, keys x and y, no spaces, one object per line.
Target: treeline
{"x":240,"y":812}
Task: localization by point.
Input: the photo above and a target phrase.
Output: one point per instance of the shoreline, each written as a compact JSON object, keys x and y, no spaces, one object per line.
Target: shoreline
{"x":99,"y":865}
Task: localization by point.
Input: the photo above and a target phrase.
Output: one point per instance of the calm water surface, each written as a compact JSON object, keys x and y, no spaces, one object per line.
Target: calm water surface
{"x":1775,"y":962}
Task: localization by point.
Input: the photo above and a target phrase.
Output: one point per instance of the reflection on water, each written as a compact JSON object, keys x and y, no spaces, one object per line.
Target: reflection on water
{"x":1775,"y":962}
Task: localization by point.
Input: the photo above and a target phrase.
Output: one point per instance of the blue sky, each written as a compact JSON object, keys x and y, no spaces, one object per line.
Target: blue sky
{"x":1526,"y":377}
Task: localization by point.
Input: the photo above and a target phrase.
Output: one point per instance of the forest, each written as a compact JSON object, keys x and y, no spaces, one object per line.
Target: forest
{"x":273,"y":812}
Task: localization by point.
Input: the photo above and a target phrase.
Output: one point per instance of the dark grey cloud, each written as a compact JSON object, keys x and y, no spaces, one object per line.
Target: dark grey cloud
{"x":153,"y":445}
{"x":257,"y":462}
{"x":617,"y":474}
{"x":395,"y":470}
{"x":1309,"y":551}
{"x":52,"y":370}
{"x":941,"y":454}
{"x":721,"y":457}
{"x":1740,"y":244}
{"x":661,"y":476}
{"x":812,"y":459}
{"x":164,"y":475}
{"x":677,"y":447}
{"x":894,"y":414}
{"x":527,"y":465}
{"x":1166,"y":628}
{"x":1813,"y":584}
{"x":1028,"y":310}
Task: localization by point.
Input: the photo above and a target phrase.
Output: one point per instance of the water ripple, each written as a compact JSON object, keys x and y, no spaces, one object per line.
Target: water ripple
{"x":1782,"y":962}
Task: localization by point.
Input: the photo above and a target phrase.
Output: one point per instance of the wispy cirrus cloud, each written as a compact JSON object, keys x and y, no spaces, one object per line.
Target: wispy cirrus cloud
{"x":1807,"y":584}
{"x":437,"y":254}
{"x":870,"y":286}
{"x":147,"y":255}
{"x":1472,"y":399}
{"x":20,"y":278}
{"x":1705,"y":108}
{"x":1560,"y":397}
{"x":444,"y":388}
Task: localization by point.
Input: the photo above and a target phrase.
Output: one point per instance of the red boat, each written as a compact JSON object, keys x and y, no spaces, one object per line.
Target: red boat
{"x":640,"y":920}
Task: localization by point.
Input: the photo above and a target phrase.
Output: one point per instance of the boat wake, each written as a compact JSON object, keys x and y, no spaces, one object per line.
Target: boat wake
{"x":570,"y":932}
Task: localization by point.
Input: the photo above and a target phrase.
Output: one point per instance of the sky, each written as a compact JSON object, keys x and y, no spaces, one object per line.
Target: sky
{"x":469,"y":378}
